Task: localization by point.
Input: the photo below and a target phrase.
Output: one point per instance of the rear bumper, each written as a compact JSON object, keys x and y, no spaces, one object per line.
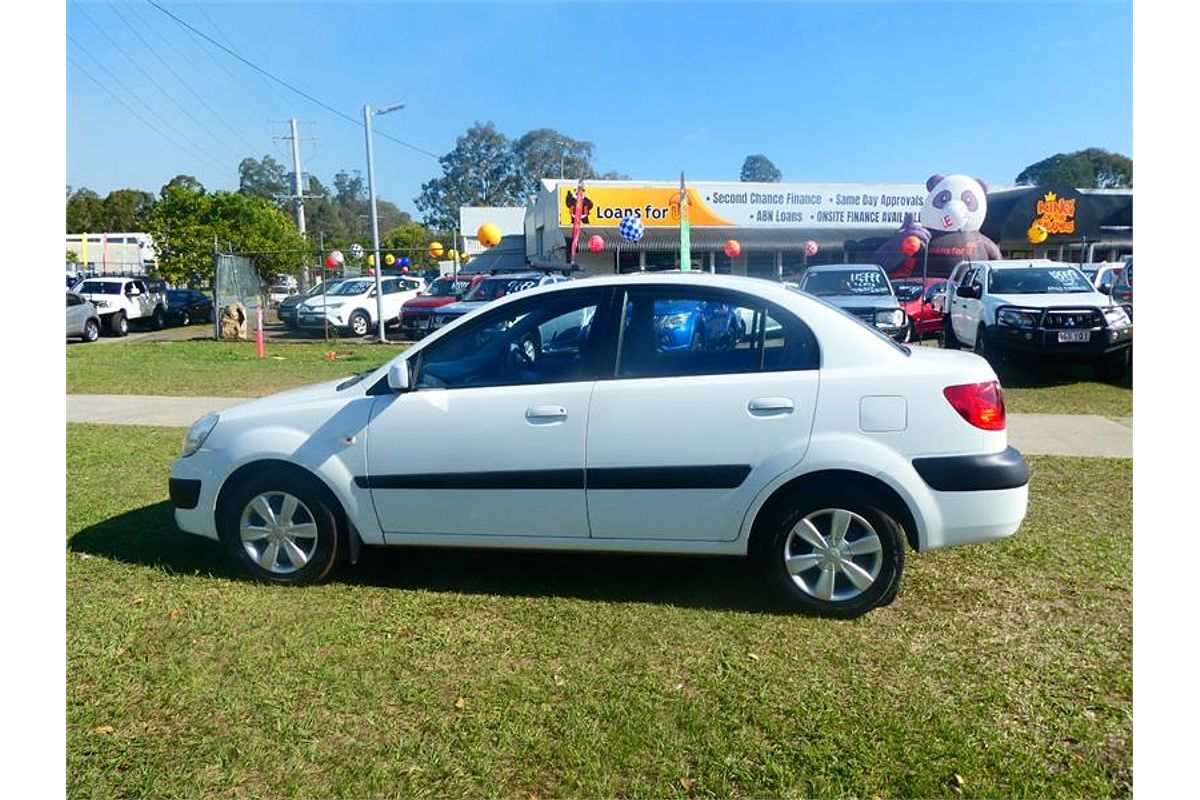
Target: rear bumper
{"x":971,"y":473}
{"x":978,"y":498}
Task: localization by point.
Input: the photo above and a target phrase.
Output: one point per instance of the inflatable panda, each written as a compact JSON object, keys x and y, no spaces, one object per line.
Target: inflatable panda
{"x":949,"y":227}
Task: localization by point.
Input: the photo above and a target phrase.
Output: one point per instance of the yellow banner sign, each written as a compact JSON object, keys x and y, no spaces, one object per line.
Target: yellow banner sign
{"x":606,"y":206}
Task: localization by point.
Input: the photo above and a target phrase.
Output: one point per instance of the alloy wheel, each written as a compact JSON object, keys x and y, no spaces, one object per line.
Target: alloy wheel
{"x":278,"y":532}
{"x":833,"y":555}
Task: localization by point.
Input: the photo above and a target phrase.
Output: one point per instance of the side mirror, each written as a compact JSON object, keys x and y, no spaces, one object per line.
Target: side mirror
{"x":398,"y":377}
{"x":1105,"y":289}
{"x":966,"y":291}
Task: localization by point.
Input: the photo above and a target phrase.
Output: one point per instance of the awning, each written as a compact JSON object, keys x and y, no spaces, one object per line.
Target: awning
{"x":706,"y":239}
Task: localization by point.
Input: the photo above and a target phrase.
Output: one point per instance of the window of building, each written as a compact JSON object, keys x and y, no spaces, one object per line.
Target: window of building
{"x":761,"y":264}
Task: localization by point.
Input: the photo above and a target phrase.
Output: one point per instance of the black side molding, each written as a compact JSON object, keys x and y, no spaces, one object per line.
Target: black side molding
{"x":1006,"y":470}
{"x":719,"y":476}
{"x":184,"y":494}
{"x":514,"y":479}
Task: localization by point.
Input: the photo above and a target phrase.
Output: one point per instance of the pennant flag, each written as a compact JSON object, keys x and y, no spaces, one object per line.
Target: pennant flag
{"x":576,"y":218}
{"x":685,"y":229}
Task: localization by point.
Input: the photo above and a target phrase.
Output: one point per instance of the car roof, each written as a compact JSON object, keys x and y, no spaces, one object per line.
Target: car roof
{"x":841,"y":267}
{"x":1025,"y":263}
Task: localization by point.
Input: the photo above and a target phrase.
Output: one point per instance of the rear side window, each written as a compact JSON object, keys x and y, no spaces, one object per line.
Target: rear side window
{"x":673,"y":333}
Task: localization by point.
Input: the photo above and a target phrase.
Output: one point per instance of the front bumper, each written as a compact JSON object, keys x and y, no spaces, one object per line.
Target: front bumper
{"x":193,"y":485}
{"x":1047,"y":342}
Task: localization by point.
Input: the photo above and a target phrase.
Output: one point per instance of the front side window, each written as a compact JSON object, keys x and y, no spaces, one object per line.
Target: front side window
{"x":674,"y":333}
{"x":350,"y":288}
{"x":524,"y":343}
{"x":99,"y":287}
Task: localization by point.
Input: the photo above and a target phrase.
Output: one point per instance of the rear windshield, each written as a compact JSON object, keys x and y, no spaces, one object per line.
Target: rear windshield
{"x":448,"y":287}
{"x":1062,"y":280}
{"x":352,"y":287}
{"x":495,"y":288}
{"x":846,"y":282}
{"x":908,"y":291}
{"x":98,"y":287}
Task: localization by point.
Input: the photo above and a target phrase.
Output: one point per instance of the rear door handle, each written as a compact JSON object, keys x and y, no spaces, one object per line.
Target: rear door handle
{"x":545,"y":412}
{"x":777,"y":405}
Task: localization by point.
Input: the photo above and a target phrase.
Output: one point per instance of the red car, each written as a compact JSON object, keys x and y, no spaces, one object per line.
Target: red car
{"x":416,"y":313}
{"x":916,"y":300}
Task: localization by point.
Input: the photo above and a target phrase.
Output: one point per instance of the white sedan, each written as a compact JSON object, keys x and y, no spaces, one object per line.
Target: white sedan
{"x":808,"y":441}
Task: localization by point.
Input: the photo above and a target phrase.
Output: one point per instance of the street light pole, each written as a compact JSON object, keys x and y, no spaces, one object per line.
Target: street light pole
{"x":374,"y":213}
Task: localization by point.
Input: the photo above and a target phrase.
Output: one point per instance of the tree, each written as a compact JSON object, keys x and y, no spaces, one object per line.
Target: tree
{"x":759,"y":169}
{"x":265,"y":178}
{"x":1092,"y":168}
{"x":85,"y":212}
{"x":185,"y":222}
{"x":479,"y":171}
{"x":546,"y":153}
{"x":409,"y":239}
{"x":183,"y":182}
{"x":126,"y":209}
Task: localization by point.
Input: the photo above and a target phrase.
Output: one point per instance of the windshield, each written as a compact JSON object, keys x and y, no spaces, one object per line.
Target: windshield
{"x":447,"y":287}
{"x":907,"y":291}
{"x":495,"y":288}
{"x":99,"y":287}
{"x":352,"y":287}
{"x":1062,"y":280}
{"x":828,"y":283}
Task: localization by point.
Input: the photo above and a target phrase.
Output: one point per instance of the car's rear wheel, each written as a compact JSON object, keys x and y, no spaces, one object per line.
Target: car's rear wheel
{"x":118,"y":324}
{"x":983,"y":347}
{"x":281,"y":529}
{"x":159,"y":318}
{"x":838,"y":554}
{"x":360,"y":323}
{"x":91,"y":330}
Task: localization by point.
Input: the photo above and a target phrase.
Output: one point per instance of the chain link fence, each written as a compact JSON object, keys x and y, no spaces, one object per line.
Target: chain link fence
{"x":236,"y":280}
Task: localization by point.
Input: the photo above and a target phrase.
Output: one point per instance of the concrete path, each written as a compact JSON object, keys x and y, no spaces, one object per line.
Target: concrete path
{"x":1032,"y":434}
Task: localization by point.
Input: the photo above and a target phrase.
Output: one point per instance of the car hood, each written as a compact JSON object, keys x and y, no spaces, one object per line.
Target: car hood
{"x":316,"y":303}
{"x":1089,"y":299}
{"x":881,"y":301}
{"x":428,"y":302}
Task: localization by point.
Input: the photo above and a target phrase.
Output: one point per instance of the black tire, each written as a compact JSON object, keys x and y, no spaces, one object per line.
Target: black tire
{"x":316,"y":506}
{"x":158,"y":319}
{"x":1112,"y":367}
{"x":118,"y":324}
{"x":949,"y":340}
{"x":983,"y":347}
{"x":91,"y":330}
{"x":359,"y":323}
{"x":185,"y":318}
{"x":866,"y":516}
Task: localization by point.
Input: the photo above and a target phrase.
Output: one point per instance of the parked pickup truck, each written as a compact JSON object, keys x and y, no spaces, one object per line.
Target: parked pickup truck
{"x":120,"y":300}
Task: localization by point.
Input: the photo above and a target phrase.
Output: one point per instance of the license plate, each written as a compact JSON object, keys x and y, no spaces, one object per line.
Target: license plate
{"x":1074,"y":336}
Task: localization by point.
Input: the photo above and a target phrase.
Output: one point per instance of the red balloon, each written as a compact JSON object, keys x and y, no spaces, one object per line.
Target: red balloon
{"x":596,"y":243}
{"x":331,"y":262}
{"x":732,"y":248}
{"x":910,"y":245}
{"x":810,"y":248}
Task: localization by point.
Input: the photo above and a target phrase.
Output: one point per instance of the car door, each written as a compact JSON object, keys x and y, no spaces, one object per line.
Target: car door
{"x":964,"y":310}
{"x":76,"y":314}
{"x":491,"y":439}
{"x":681,"y":437}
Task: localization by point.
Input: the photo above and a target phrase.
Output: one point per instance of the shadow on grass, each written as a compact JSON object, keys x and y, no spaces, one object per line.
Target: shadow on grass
{"x":1026,"y":375}
{"x":148,"y":537}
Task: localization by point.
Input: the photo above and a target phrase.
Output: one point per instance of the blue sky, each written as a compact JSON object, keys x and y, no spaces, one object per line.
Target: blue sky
{"x":830,"y":92}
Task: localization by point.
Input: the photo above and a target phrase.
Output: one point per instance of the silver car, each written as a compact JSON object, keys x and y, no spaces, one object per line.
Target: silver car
{"x":82,"y":320}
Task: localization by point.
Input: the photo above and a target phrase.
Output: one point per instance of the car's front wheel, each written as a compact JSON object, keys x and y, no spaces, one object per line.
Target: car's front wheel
{"x":838,"y":554}
{"x":949,"y":340}
{"x":118,"y":324}
{"x":360,"y":323}
{"x":91,"y":330}
{"x":281,"y":529}
{"x":185,"y":318}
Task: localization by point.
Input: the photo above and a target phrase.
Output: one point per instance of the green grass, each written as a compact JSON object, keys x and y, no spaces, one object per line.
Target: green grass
{"x":1007,"y":664}
{"x":214,"y":369}
{"x":1064,"y":390}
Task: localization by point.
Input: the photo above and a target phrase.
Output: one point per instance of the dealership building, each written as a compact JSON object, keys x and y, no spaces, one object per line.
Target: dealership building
{"x":772,"y":222}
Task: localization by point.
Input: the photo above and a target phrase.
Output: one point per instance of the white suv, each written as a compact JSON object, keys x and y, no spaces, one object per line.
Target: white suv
{"x":1044,"y":310}
{"x":811,"y":442}
{"x":351,"y":305}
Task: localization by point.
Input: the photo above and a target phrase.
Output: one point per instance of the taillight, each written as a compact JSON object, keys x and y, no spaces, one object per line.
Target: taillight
{"x":981,"y":404}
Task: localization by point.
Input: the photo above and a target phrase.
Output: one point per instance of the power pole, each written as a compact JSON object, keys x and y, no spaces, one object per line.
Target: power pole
{"x":299,"y":184}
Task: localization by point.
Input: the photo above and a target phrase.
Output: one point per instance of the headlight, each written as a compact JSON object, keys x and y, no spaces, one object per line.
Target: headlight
{"x":893,"y":318}
{"x":1016,"y":318}
{"x":198,"y":433}
{"x":675,"y":320}
{"x":1116,"y":317}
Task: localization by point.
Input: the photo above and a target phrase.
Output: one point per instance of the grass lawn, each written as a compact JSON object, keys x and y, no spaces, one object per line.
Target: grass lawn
{"x":226,"y":369}
{"x":1001,"y":670}
{"x":214,"y":369}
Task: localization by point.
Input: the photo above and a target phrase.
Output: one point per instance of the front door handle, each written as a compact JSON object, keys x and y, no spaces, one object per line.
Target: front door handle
{"x":545,"y":412}
{"x":772,"y":405}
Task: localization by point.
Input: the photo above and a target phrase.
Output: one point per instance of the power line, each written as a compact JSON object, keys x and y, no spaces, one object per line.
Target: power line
{"x":282,"y":82}
{"x":195,"y":148}
{"x":274,"y":89}
{"x":150,"y":79}
{"x":132,"y":111}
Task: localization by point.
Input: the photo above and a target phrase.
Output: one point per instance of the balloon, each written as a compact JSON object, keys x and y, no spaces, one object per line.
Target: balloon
{"x":404,"y":262}
{"x":632,"y":229}
{"x":810,"y":248}
{"x":488,"y":234}
{"x":451,"y":255}
{"x":732,"y":248}
{"x":404,"y":270}
{"x":910,"y":245}
{"x":435,"y":250}
{"x":356,"y":250}
{"x":389,"y":259}
{"x":463,"y":258}
{"x":371,"y":259}
{"x":335,"y":259}
{"x":1037,"y":233}
{"x":596,"y":243}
